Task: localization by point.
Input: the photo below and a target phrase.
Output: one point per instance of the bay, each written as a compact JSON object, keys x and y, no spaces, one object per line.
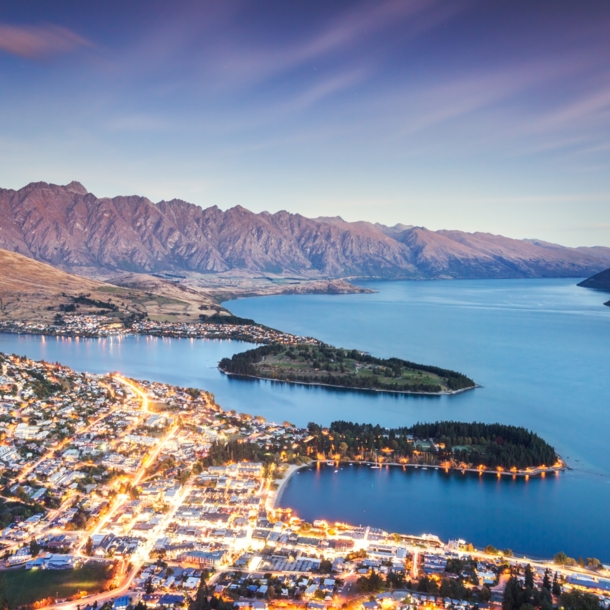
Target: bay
{"x":539,"y":348}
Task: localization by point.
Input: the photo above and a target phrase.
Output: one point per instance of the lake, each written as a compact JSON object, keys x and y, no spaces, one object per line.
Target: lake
{"x":539,"y":348}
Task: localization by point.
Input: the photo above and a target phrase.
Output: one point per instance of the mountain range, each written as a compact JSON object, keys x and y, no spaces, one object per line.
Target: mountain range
{"x":72,"y":229}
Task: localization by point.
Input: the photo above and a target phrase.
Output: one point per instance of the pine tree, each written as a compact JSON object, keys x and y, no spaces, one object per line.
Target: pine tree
{"x":556,"y":585}
{"x":513,"y":595}
{"x":546,"y":581}
{"x":529,"y":577}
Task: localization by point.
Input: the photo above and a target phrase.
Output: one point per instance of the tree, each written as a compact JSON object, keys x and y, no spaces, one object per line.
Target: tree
{"x":201,"y":601}
{"x":427,"y":585}
{"x":576,"y":600}
{"x":513,"y":595}
{"x":395,"y":580}
{"x":546,"y":581}
{"x":369,"y":584}
{"x":556,"y":589}
{"x":560,"y":558}
{"x":485,"y":594}
{"x":529,"y":577}
{"x":89,"y":547}
{"x":34,"y":548}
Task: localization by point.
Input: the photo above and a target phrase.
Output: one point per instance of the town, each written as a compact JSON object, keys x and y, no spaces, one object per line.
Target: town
{"x":117,"y":493}
{"x":79,"y":325}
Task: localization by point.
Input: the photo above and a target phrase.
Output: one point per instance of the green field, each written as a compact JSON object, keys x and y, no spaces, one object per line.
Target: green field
{"x":27,"y":586}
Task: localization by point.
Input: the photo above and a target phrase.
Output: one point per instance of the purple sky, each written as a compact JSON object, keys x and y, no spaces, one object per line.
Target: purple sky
{"x":475,"y":115}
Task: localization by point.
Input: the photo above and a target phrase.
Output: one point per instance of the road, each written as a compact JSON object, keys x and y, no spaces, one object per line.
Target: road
{"x":142,"y":555}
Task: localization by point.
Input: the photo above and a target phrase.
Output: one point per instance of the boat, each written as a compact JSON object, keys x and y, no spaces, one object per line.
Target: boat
{"x":336,"y":471}
{"x":375,"y":468}
{"x":330,"y":463}
{"x":424,"y":468}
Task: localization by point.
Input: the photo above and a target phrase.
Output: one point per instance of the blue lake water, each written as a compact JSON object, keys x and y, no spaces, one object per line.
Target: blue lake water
{"x":539,"y":348}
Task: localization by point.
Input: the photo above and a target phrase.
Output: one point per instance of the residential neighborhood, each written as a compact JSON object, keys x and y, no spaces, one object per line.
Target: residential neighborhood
{"x":82,"y":325}
{"x":164,"y":494}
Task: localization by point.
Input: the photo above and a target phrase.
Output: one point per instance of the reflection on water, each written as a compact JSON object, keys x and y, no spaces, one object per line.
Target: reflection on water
{"x":509,"y":512}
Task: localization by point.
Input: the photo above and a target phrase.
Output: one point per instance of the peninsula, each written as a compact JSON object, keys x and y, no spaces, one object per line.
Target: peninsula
{"x":324,"y":365}
{"x":446,"y":444}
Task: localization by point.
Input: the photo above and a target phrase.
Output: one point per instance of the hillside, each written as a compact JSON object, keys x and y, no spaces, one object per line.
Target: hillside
{"x":70,"y":228}
{"x":600,"y":281}
{"x":30,"y":290}
{"x":351,"y":369}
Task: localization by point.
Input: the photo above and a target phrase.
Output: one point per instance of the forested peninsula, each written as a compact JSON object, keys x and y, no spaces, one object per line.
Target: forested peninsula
{"x":449,"y":445}
{"x":326,"y":365}
{"x":445,"y":444}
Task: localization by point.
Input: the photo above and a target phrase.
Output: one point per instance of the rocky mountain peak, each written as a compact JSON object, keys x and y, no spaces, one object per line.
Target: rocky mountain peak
{"x":77,"y":231}
{"x":76,"y":187}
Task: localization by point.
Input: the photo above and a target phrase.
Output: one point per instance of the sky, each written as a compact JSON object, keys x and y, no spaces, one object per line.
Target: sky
{"x":470,"y":115}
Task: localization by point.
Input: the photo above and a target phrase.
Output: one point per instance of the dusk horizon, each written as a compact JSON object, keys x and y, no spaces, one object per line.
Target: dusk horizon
{"x":468,"y":116}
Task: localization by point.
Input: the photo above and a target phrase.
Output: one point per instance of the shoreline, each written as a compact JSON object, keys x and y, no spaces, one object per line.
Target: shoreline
{"x":124,"y":334}
{"x":346,"y":388}
{"x":517,"y":473}
{"x":275,"y":495}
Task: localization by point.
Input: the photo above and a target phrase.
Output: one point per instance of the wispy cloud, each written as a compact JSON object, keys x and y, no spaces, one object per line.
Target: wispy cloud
{"x":588,"y":108}
{"x":236,"y":62}
{"x":458,"y":96}
{"x":326,"y":87}
{"x":38,"y":42}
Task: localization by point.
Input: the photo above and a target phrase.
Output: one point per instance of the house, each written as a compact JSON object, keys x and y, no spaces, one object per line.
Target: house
{"x":170,"y":599}
{"x":121,"y":603}
{"x":204,"y":558}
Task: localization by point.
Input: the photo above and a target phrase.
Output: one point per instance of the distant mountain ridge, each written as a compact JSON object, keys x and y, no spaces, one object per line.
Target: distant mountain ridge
{"x":73,"y":229}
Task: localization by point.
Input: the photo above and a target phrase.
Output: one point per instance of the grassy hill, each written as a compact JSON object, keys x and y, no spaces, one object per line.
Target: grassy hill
{"x":326,"y":365}
{"x":34,"y":291}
